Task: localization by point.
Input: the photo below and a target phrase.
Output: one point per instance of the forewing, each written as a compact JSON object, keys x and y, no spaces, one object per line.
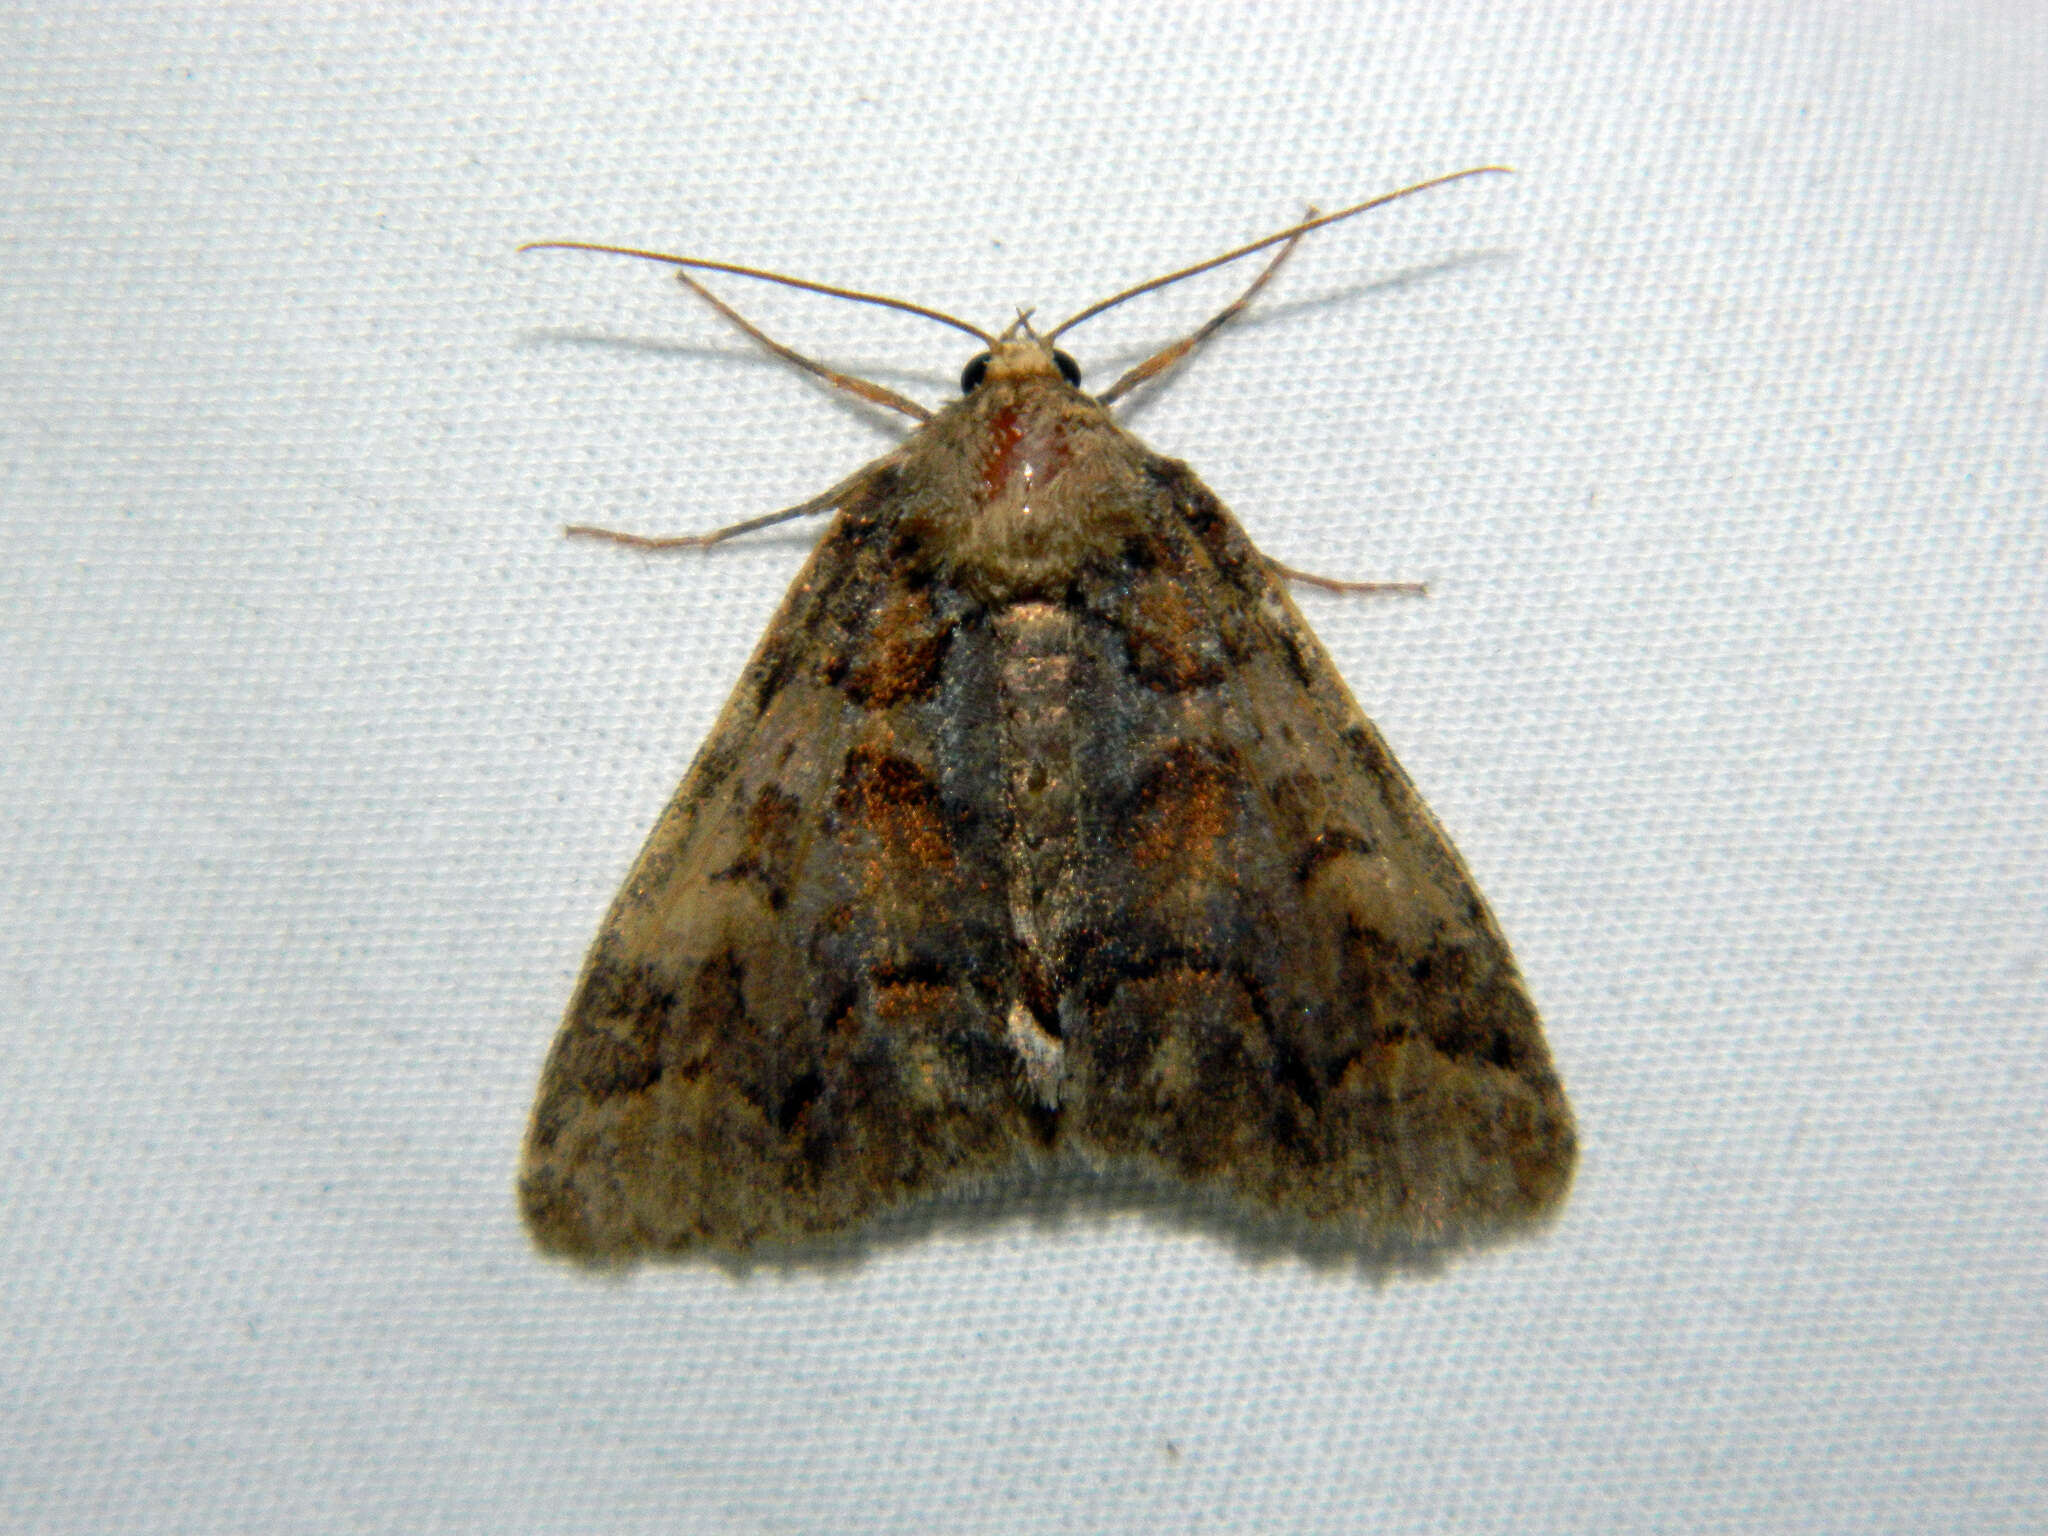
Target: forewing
{"x":1297,"y":992}
{"x":787,"y":1021}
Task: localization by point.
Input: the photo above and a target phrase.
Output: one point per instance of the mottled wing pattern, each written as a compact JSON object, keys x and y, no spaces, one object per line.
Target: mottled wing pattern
{"x":1040,"y":819}
{"x":791,"y":1016}
{"x":1287,"y":984}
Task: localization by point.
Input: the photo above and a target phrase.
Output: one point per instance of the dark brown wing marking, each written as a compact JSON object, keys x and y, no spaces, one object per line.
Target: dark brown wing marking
{"x":788,"y":1019}
{"x":1298,"y":993}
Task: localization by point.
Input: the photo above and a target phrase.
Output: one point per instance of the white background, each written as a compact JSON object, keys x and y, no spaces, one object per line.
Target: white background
{"x":1721,"y":433}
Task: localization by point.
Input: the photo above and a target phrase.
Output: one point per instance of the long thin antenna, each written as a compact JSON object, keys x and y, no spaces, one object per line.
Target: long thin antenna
{"x":1289,"y":233}
{"x":767,"y":277}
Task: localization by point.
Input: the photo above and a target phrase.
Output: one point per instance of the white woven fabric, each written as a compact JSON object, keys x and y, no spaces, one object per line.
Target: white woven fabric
{"x":1721,"y":433}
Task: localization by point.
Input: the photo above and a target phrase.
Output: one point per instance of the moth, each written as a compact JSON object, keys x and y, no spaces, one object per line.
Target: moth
{"x":1039,"y":823}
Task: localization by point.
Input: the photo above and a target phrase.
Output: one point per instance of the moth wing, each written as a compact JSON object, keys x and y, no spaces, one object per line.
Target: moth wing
{"x":777,"y":1030}
{"x":1301,"y":995}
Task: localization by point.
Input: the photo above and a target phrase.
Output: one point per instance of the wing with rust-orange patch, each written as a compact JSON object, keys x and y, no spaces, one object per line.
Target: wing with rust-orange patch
{"x":791,"y":1016}
{"x":1299,"y":994}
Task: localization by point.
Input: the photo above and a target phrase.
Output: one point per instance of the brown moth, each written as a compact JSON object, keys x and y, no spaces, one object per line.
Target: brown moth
{"x":1040,"y":822}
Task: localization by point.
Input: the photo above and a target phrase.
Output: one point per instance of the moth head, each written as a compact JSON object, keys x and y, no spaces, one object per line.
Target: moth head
{"x":1019,"y":353}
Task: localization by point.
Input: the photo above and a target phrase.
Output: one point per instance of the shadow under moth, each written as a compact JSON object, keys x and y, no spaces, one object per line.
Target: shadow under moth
{"x":1039,"y":822}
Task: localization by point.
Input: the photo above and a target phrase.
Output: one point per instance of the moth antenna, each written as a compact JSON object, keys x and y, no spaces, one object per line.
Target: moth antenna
{"x":702,"y":265}
{"x":1292,"y":232}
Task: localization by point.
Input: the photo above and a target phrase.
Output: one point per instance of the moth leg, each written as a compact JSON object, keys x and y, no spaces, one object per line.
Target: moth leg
{"x":1333,"y":584}
{"x":811,"y":508}
{"x":863,"y":389}
{"x":1162,"y":360}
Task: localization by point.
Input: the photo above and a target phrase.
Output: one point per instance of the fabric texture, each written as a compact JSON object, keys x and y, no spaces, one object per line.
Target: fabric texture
{"x":1720,"y":433}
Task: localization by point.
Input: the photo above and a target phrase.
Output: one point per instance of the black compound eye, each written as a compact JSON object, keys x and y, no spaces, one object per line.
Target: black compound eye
{"x":1069,"y":369}
{"x":972,"y":375}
